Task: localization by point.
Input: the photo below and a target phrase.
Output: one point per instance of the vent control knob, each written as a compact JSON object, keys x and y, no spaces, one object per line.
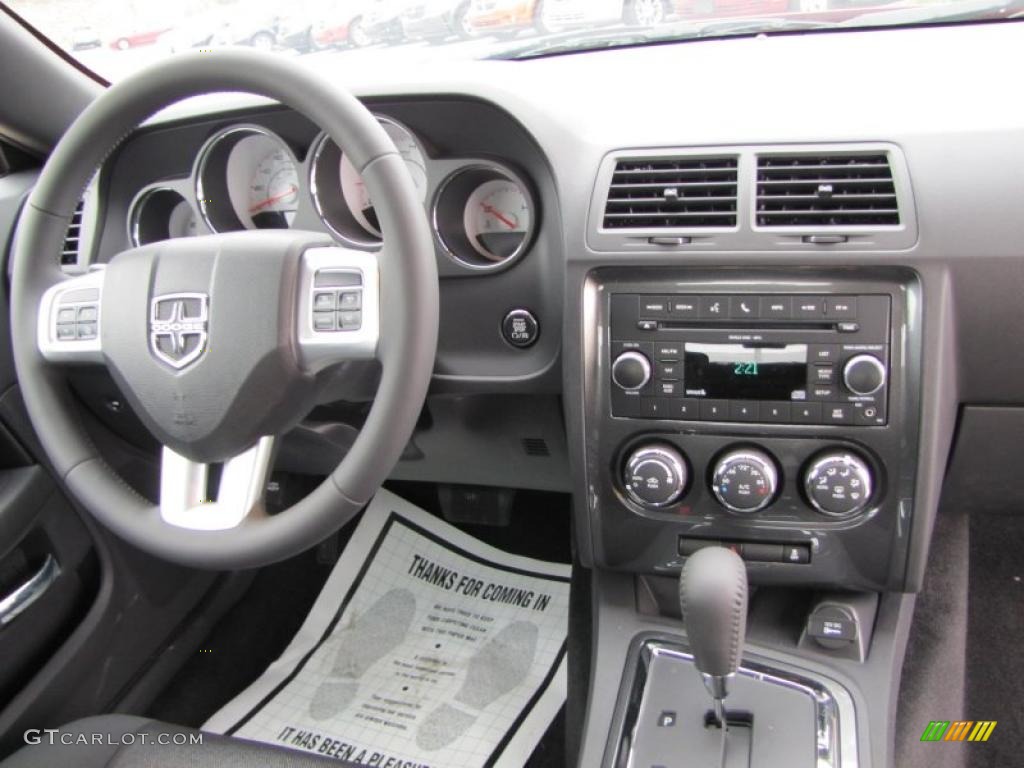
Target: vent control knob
{"x":839,"y":484}
{"x":631,"y":370}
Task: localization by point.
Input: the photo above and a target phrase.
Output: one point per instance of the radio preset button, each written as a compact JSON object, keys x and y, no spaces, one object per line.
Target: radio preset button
{"x":714,"y":410}
{"x":807,"y":413}
{"x":654,"y":408}
{"x":742,"y":410}
{"x":685,"y":410}
{"x":775,"y":413}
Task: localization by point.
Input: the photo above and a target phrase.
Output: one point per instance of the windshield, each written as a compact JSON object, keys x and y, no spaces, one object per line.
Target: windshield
{"x":115,"y":37}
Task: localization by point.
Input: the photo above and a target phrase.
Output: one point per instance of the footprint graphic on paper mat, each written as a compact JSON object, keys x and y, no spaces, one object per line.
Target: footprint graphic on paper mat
{"x":373,"y":635}
{"x":497,"y":668}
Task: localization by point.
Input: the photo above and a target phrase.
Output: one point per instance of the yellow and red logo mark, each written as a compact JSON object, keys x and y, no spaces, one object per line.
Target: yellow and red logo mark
{"x":958,"y":730}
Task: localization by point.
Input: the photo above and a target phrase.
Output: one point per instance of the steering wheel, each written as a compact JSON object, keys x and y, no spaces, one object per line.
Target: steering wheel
{"x":212,"y":339}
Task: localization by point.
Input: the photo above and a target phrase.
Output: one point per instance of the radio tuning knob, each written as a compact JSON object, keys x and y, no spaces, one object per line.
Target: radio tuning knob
{"x":864,"y":374}
{"x":839,"y":484}
{"x":631,"y":370}
{"x":655,"y":475}
{"x":745,"y":480}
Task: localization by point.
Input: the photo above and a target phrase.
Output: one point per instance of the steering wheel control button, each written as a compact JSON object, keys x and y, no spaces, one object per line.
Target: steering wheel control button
{"x":350,"y":321}
{"x":323,"y":300}
{"x":839,"y":484}
{"x":655,"y":476}
{"x":339,"y":306}
{"x":66,"y":333}
{"x":324,"y":321}
{"x":864,"y":375}
{"x":66,"y":315}
{"x":745,"y":480}
{"x":631,"y":371}
{"x":520,"y":328}
{"x":86,"y":331}
{"x":348,"y":300}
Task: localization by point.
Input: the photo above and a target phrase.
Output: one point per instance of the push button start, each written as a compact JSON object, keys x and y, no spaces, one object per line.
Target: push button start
{"x":520,"y":328}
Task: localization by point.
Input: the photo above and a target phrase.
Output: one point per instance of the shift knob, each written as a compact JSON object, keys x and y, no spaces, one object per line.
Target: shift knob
{"x":713,"y":596}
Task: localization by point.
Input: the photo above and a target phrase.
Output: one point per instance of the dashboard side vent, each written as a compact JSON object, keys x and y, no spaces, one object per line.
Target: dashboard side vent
{"x":672,"y":192}
{"x":826,"y":190}
{"x":69,"y":255}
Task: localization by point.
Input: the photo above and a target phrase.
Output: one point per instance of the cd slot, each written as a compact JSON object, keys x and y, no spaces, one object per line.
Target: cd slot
{"x":676,"y":325}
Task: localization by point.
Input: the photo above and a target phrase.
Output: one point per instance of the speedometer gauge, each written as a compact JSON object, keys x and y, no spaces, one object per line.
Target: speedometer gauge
{"x":273,"y":191}
{"x":354,"y":191}
{"x":497,"y":218}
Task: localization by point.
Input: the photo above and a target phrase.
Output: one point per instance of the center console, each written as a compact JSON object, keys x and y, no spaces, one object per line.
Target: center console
{"x":774,"y":413}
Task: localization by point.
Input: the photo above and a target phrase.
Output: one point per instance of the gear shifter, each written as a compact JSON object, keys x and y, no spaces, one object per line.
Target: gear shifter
{"x":713,"y":596}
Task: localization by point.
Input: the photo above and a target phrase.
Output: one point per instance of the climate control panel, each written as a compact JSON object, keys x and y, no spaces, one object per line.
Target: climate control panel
{"x":745,"y":479}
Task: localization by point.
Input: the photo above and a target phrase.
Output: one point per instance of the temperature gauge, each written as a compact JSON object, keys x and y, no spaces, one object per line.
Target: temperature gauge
{"x":497,"y":219}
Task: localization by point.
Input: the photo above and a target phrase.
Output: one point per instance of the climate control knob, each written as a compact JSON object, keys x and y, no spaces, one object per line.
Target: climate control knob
{"x":655,"y":475}
{"x":631,"y":370}
{"x":745,"y":480}
{"x":864,"y":374}
{"x":839,"y":483}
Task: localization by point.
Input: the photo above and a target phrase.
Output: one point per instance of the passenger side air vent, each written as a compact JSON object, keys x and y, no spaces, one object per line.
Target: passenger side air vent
{"x":672,"y":192}
{"x":826,"y":190}
{"x":69,"y":256}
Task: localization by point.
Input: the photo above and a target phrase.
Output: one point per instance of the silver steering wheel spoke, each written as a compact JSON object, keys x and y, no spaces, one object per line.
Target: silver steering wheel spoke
{"x":339,"y":307}
{"x":185,"y":498}
{"x":69,"y":320}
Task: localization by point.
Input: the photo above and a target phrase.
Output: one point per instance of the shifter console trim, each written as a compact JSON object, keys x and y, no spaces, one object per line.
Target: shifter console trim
{"x":835,"y":720}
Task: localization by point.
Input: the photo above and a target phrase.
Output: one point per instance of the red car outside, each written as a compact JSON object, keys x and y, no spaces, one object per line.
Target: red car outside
{"x":487,"y":17}
{"x":137,"y":39}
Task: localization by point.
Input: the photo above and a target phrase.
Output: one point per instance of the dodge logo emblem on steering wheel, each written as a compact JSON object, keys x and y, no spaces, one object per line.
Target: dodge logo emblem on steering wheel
{"x":178,"y":324}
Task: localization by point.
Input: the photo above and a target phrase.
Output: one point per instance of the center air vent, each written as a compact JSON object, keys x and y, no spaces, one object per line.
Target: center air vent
{"x":69,"y":254}
{"x":669,"y":193}
{"x":833,"y":190}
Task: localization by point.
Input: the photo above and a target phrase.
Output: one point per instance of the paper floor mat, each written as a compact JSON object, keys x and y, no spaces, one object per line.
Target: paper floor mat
{"x":426,"y":647}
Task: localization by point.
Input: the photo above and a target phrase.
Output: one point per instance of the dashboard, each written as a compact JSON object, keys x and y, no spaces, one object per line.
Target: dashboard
{"x":619,"y":213}
{"x":486,"y":196}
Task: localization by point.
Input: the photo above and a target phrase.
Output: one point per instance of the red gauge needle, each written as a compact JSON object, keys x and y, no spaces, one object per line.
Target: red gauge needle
{"x":271,"y":200}
{"x":498,"y":215}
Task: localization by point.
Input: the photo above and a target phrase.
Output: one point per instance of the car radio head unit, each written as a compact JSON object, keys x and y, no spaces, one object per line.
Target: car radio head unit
{"x":773,"y":358}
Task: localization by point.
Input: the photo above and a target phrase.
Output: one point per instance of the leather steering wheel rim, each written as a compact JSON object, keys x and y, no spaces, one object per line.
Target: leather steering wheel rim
{"x":408,"y":326}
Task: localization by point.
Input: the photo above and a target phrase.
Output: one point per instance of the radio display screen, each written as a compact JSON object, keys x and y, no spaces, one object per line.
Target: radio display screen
{"x":745,"y":372}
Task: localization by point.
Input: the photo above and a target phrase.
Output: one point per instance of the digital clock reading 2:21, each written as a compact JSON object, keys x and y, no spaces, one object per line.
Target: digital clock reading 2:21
{"x":745,"y":369}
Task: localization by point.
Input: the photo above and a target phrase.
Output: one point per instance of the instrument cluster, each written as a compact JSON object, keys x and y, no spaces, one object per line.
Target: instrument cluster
{"x":246,"y":176}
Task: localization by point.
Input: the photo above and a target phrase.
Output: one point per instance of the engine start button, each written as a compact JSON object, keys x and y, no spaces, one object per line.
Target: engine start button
{"x":520,"y":328}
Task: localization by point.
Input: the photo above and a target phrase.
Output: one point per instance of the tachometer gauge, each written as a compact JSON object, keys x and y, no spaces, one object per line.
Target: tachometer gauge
{"x":247,"y":179}
{"x":356,"y":196}
{"x":497,"y":219}
{"x":274,"y":191}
